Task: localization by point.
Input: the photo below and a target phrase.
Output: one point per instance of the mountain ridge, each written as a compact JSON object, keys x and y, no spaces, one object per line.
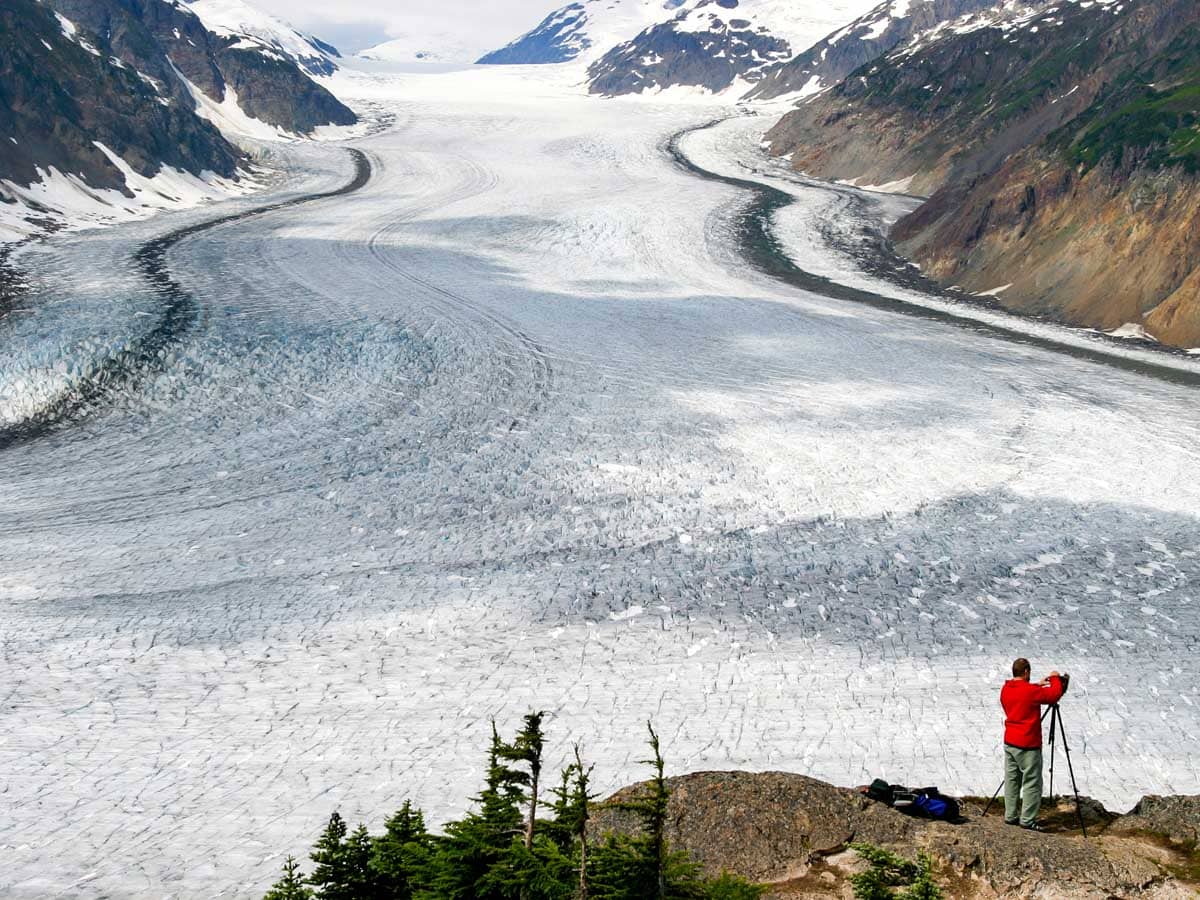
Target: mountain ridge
{"x":128,"y":96}
{"x":868,"y":37}
{"x":716,"y":45}
{"x":1058,"y":151}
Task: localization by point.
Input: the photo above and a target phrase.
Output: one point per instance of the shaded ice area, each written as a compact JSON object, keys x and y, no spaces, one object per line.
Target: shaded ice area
{"x":514,"y":427}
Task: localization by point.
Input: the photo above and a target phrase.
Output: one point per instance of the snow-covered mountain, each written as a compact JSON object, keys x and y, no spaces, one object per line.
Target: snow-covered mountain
{"x":421,"y":48}
{"x":253,"y":29}
{"x":88,"y":138}
{"x":583,"y":30}
{"x":881,"y":29}
{"x":630,"y":46}
{"x":718,"y":45}
{"x":112,"y":109}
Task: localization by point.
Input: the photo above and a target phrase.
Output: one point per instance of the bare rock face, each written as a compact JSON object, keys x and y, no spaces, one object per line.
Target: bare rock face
{"x":61,"y":94}
{"x":1100,"y":249}
{"x":867,"y":38}
{"x":1175,"y":818}
{"x":1058,"y":154}
{"x":793,"y":833}
{"x":162,"y":38}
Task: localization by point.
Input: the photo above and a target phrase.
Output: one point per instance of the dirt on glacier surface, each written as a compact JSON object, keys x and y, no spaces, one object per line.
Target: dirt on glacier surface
{"x":514,"y":426}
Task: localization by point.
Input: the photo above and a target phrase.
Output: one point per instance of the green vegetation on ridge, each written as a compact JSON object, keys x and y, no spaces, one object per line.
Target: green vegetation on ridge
{"x":503,"y":849}
{"x":1148,"y":114}
{"x":1158,"y":121}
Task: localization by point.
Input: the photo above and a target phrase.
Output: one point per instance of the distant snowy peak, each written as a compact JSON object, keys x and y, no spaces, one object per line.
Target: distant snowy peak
{"x":252,"y":29}
{"x":560,"y":37}
{"x":718,"y":45}
{"x":582,"y":30}
{"x":417,"y":49}
{"x":882,"y":29}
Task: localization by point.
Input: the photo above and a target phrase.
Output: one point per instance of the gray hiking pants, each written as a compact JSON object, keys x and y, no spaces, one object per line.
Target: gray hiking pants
{"x":1022,"y":785}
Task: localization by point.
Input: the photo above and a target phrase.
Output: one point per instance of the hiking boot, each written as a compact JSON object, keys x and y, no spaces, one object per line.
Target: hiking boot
{"x":1034,"y":827}
{"x":1011,"y":822}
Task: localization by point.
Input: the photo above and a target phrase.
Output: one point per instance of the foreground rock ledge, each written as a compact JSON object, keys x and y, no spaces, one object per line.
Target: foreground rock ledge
{"x":793,"y":833}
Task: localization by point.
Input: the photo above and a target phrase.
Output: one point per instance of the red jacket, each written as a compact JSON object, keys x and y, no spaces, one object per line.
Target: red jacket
{"x":1022,"y":702}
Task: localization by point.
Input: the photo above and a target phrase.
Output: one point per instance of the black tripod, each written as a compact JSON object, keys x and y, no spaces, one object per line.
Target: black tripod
{"x":1056,"y":731}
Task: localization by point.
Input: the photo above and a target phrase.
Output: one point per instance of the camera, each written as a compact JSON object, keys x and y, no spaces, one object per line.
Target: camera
{"x":1066,"y":681}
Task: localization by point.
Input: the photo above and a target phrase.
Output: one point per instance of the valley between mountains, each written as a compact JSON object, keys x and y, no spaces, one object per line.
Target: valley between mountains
{"x":516,"y":424}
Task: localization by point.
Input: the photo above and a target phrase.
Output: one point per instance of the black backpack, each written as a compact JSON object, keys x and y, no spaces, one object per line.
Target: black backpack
{"x":925,"y":803}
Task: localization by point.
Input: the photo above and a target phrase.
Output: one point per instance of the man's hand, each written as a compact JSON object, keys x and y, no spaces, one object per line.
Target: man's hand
{"x":1045,"y":682}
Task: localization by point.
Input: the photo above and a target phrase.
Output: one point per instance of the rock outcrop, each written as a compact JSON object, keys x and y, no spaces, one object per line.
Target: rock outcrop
{"x":98,"y":95}
{"x":711,"y":54}
{"x":865,"y":39}
{"x":60,"y":94}
{"x":1059,"y":152}
{"x":793,"y":833}
{"x":165,"y":40}
{"x":1175,"y":818}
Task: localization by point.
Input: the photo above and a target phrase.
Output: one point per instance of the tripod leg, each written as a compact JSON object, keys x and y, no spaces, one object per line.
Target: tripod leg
{"x":1071,"y":770}
{"x":993,"y":800}
{"x":1053,"y":723}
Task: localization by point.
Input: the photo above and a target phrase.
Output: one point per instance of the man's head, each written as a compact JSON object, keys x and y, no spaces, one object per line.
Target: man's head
{"x":1021,"y":669}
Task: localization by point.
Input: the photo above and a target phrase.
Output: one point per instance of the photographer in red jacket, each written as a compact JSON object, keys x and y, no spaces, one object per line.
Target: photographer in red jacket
{"x":1022,"y":702}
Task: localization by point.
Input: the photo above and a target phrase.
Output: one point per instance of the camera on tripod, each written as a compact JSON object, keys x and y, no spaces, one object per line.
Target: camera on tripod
{"x":1057,"y":735}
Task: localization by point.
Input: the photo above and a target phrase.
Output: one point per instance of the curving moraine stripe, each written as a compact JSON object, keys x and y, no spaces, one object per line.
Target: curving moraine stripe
{"x":757,"y":244}
{"x":145,"y":356}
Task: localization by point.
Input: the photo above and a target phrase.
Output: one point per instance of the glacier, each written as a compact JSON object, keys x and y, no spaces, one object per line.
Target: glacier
{"x":515,"y":426}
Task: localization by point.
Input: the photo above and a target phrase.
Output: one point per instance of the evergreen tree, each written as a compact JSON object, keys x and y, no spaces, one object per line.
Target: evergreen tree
{"x":559,"y":829}
{"x":923,"y":887}
{"x":572,"y":811}
{"x":502,"y":851}
{"x":330,"y":877}
{"x":360,"y":879}
{"x":502,"y":794}
{"x":887,"y":872}
{"x":731,"y":887}
{"x":642,"y":867}
{"x":542,"y":872}
{"x":473,"y":861}
{"x":291,"y":885}
{"x":535,"y":867}
{"x":400,"y":856}
{"x":527,"y":748}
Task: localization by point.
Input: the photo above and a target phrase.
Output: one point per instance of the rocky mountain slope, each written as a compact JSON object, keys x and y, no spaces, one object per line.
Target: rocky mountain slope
{"x":165,"y":40}
{"x":104,"y":95}
{"x":717,"y":44}
{"x":60,"y":96}
{"x":583,"y":29}
{"x":253,"y":29}
{"x":793,"y":833}
{"x":631,"y":46}
{"x":872,"y":35}
{"x":1059,"y":150}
